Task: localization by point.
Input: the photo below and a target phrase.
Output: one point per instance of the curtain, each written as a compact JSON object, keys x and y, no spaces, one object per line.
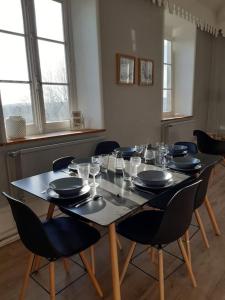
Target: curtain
{"x":192,"y":11}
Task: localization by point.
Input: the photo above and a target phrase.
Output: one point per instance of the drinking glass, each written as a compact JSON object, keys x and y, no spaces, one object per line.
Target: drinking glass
{"x":127,"y":170}
{"x":96,"y":159}
{"x":149,"y":155}
{"x":104,"y":162}
{"x":83,"y":170}
{"x":135,"y":162}
{"x":139,"y":149}
{"x":94,"y":170}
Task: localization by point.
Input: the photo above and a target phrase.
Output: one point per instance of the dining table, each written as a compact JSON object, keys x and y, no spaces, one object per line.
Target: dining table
{"x":118,"y":200}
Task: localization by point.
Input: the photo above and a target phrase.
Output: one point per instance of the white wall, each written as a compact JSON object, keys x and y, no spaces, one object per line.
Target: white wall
{"x":87,"y":56}
{"x":135,"y":27}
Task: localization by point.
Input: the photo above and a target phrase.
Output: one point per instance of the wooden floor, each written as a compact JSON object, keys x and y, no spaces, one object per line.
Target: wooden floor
{"x":208,"y":265}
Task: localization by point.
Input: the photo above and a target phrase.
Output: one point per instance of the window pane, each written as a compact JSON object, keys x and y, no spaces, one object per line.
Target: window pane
{"x":167,"y":52}
{"x":16,"y":100}
{"x":13,"y":60}
{"x":167,"y":101}
{"x":49,"y":19}
{"x":11,"y":17}
{"x":56,"y":102}
{"x":52,"y":59}
{"x":167,"y":77}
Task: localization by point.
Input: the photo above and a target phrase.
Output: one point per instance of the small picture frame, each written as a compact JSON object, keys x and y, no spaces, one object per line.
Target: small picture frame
{"x":145,"y":71}
{"x":77,"y":120}
{"x":125,"y":65}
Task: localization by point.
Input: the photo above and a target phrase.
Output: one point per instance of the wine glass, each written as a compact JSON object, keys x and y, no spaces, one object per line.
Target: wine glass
{"x":94,"y":170}
{"x":83,"y":170}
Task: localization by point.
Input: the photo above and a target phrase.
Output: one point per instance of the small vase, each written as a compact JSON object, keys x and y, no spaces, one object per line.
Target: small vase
{"x":15,"y":127}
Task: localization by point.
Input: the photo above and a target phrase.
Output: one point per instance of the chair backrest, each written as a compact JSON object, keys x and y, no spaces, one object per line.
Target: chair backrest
{"x":177,"y":216}
{"x":61,"y":163}
{"x":30,"y":229}
{"x":208,"y":145}
{"x":106,"y":147}
{"x":204,"y":176}
{"x":192,"y":147}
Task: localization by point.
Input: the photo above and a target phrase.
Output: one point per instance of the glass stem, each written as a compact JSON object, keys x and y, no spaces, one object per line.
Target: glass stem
{"x":94,"y":180}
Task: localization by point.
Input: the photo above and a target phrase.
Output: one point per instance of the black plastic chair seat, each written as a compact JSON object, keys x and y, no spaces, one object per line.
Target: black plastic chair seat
{"x":142,"y":227}
{"x":70,"y":236}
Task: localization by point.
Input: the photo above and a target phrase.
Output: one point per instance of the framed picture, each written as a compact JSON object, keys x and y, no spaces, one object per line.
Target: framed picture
{"x":125,"y":69}
{"x":77,"y":120}
{"x":145,"y":71}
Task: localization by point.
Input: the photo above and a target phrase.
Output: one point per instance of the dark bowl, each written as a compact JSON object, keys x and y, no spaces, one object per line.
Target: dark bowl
{"x":186,"y":162}
{"x":155,"y":177}
{"x":67,"y":186}
{"x":125,"y":151}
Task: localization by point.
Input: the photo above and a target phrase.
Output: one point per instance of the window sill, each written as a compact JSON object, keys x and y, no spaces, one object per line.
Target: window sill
{"x":52,"y":135}
{"x":176,"y":117}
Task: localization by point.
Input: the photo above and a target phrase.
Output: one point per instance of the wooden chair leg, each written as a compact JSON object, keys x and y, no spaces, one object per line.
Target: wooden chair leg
{"x":26,"y":277}
{"x":161,"y":274}
{"x":119,"y":243}
{"x":91,"y":274}
{"x":202,"y":228}
{"x":188,"y":265}
{"x":92,"y":257}
{"x":126,"y":264}
{"x":36,"y":263}
{"x":66,"y":265}
{"x":52,"y":280}
{"x":212,"y":216}
{"x":188,"y":247}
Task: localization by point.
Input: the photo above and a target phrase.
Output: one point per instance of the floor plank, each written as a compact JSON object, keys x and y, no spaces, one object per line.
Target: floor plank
{"x":208,"y":265}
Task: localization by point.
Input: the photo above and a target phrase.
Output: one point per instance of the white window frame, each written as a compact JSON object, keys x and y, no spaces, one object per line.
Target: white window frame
{"x":31,"y":41}
{"x":171,"y":113}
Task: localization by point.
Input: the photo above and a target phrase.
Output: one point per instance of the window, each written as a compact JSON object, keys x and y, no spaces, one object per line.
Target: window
{"x":167,"y":78}
{"x":34,"y":55}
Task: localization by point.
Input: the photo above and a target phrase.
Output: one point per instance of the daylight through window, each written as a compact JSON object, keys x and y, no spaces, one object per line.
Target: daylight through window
{"x":33,"y":63}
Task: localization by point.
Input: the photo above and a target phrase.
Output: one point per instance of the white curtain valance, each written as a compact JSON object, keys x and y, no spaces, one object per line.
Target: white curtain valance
{"x":192,"y":11}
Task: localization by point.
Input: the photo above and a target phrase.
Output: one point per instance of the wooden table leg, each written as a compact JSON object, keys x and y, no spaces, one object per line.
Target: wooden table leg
{"x":161,"y":275}
{"x":50,"y":211}
{"x":114,"y":262}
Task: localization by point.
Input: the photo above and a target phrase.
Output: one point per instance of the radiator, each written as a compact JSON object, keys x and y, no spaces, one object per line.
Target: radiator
{"x":31,"y":161}
{"x":178,"y":131}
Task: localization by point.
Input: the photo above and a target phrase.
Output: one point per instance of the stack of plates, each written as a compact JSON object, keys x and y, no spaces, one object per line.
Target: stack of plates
{"x":185,"y":164}
{"x":125,"y":151}
{"x":179,"y":150}
{"x":68,"y":188}
{"x":153,"y":179}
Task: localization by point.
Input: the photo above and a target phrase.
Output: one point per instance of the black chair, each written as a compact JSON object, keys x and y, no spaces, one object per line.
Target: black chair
{"x":192,"y":147}
{"x":53,"y":239}
{"x":62,"y":163}
{"x":201,"y":198}
{"x":156,"y":228}
{"x":106,"y":147}
{"x":208,"y":145}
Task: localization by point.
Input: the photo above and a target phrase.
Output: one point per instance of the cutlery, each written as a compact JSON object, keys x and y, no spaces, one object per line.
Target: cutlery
{"x":96,"y":197}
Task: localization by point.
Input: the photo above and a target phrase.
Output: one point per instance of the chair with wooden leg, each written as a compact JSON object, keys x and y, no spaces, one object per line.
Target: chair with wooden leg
{"x":57,"y":165}
{"x":157,"y":228}
{"x":201,"y":198}
{"x":53,"y":239}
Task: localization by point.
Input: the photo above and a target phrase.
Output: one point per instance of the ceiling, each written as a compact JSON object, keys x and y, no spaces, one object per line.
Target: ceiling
{"x":215,"y":5}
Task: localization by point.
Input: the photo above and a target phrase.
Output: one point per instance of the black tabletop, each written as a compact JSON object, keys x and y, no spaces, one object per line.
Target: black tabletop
{"x":119,"y":199}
